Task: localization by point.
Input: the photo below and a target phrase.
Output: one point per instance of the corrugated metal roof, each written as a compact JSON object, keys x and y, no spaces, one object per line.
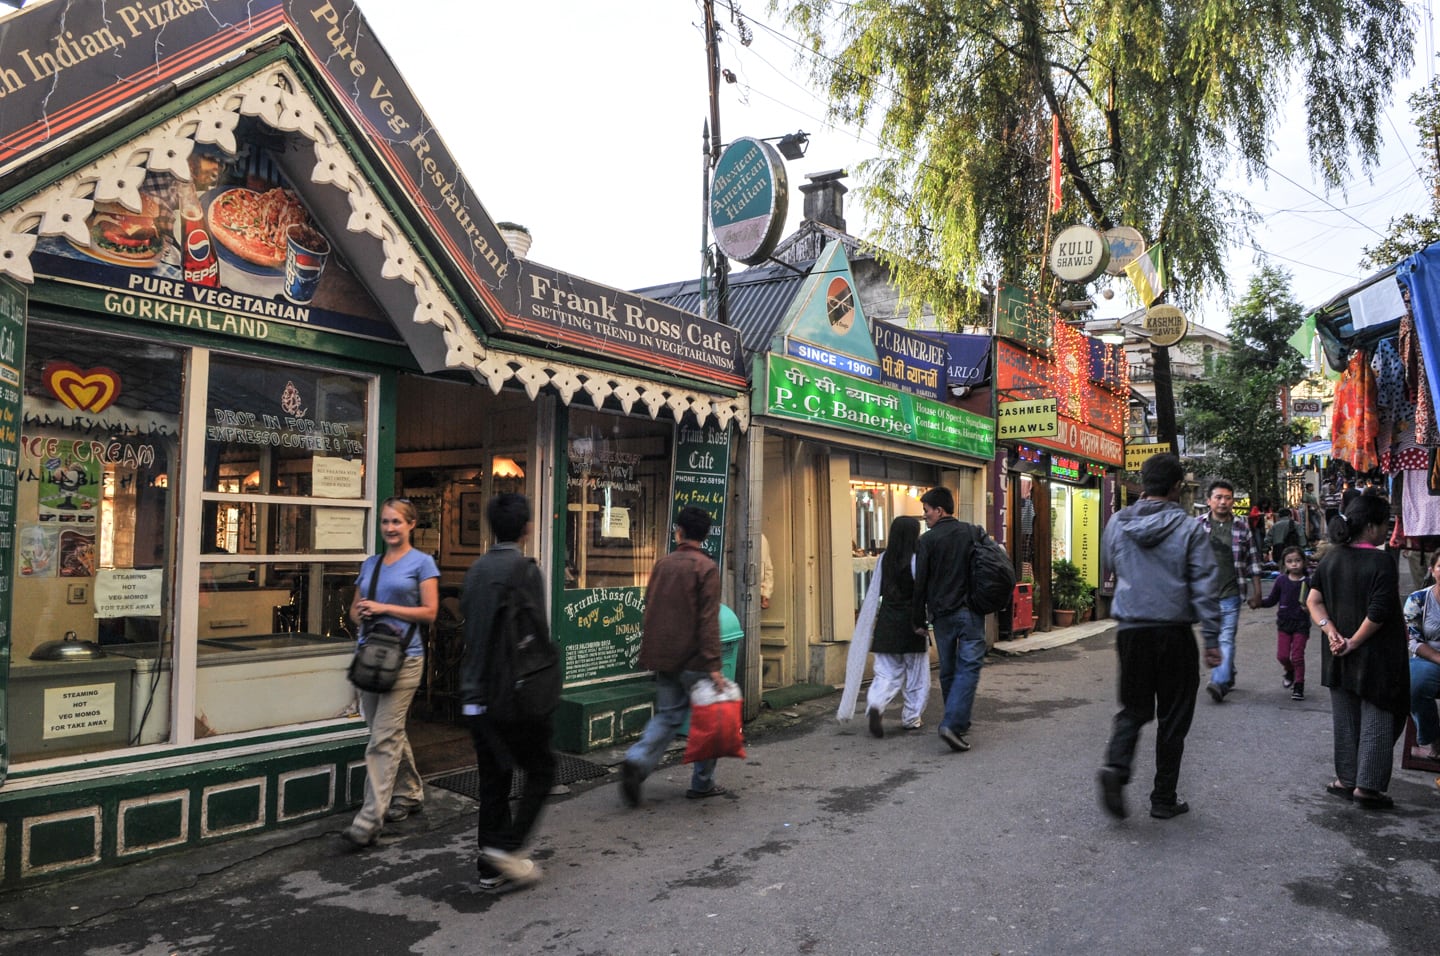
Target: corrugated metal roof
{"x":758,"y":299}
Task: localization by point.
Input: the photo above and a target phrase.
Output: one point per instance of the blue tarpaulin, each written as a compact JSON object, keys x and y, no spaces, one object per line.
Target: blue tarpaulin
{"x":1313,"y":448}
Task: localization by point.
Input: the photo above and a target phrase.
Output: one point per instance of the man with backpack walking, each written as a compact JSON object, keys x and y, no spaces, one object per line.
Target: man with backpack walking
{"x":680,"y":642}
{"x":942,"y":598}
{"x":509,"y":730}
{"x":1287,"y":532}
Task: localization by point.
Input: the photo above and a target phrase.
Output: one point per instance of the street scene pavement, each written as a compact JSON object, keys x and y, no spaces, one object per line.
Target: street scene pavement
{"x":832,"y":841}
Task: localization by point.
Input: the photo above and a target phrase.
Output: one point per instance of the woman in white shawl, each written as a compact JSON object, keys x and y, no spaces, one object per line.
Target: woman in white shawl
{"x":902,"y":658}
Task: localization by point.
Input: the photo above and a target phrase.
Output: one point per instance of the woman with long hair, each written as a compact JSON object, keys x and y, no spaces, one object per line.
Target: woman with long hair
{"x":406,"y":595}
{"x":902,"y":658}
{"x":1355,"y":601}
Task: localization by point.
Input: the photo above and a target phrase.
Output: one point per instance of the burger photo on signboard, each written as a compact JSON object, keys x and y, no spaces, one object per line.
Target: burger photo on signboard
{"x":124,"y":238}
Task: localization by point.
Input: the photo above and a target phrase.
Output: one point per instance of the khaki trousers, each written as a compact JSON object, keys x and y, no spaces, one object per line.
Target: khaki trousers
{"x":390,"y":770}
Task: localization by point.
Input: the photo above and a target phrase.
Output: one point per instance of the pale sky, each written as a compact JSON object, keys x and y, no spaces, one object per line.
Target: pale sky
{"x":582,"y":120}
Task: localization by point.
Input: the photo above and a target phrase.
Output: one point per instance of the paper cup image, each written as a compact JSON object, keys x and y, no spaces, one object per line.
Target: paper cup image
{"x":305,"y":253}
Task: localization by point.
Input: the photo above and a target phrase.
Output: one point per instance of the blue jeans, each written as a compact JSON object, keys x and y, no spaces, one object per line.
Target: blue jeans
{"x":1424,"y":688}
{"x":1224,"y":675}
{"x":672,"y":706}
{"x":960,"y":639}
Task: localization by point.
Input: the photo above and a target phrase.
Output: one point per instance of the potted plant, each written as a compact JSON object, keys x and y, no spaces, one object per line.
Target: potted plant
{"x":1070,"y":596}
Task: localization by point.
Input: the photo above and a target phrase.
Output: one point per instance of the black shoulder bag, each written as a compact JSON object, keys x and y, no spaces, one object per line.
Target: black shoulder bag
{"x":377,"y":662}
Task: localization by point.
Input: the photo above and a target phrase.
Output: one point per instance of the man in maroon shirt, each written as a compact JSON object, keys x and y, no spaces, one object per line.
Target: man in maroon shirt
{"x":680,"y":642}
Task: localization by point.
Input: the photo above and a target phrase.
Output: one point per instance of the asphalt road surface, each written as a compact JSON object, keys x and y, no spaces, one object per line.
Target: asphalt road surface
{"x":833,"y":842}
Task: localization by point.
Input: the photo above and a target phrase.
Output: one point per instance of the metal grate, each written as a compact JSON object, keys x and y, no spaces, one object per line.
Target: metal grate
{"x":568,"y":769}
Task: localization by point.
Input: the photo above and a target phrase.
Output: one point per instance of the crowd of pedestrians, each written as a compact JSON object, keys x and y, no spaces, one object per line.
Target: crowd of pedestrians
{"x":1172,"y":572}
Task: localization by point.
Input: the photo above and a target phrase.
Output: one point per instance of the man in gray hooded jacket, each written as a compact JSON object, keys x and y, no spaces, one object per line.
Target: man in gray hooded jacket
{"x":1165,"y":582}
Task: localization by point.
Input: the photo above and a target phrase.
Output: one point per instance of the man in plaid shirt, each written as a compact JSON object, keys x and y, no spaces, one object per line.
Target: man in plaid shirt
{"x":1237,"y":559}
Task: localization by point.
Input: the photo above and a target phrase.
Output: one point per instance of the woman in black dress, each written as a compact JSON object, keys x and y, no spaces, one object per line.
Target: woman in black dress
{"x":1355,"y":601}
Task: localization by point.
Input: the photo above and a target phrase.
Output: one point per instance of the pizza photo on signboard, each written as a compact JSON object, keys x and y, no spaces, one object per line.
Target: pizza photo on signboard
{"x":252,"y":225}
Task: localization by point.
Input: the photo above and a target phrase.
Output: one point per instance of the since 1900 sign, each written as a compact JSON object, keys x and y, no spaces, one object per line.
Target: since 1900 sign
{"x":749,"y":196}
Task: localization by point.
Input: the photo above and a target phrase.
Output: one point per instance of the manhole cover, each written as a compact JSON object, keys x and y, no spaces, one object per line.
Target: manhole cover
{"x":568,"y":769}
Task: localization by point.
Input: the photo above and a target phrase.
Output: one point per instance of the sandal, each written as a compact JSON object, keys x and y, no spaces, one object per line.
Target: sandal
{"x":1338,"y":789}
{"x":1373,"y":801}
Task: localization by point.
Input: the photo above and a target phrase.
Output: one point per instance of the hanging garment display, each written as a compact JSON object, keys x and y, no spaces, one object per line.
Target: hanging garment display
{"x":1395,"y":413}
{"x":1427,"y":432}
{"x":1354,"y":426}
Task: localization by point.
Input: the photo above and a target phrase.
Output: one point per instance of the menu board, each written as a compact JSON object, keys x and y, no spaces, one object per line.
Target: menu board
{"x":702,"y":469}
{"x":603,"y":628}
{"x":12,"y":363}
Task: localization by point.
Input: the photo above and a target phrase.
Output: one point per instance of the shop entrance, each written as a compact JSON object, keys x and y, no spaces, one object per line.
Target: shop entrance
{"x":457,"y":444}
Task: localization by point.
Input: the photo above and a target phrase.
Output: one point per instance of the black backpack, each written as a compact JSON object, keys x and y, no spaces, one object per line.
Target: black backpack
{"x":992,"y":576}
{"x":522,"y":666}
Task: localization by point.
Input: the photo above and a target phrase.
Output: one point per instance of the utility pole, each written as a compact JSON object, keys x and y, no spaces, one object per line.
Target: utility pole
{"x":714,"y":259}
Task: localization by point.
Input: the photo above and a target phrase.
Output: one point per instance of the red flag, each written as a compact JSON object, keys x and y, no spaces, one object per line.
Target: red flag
{"x":1055,"y":196}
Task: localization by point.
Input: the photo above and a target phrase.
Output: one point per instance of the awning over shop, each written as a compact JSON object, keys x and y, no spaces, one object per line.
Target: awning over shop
{"x":1321,"y":448}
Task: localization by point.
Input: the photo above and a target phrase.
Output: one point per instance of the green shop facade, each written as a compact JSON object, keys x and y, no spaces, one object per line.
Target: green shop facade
{"x":199,"y":416}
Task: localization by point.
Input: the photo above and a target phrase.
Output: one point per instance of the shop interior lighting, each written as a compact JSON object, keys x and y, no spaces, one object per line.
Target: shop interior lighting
{"x":504,"y":467}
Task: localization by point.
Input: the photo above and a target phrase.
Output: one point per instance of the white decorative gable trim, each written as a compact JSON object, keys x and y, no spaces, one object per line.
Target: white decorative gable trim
{"x":276,"y":97}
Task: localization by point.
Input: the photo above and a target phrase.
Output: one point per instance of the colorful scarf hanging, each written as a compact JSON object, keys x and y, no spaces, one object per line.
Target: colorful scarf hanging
{"x":1354,"y":427}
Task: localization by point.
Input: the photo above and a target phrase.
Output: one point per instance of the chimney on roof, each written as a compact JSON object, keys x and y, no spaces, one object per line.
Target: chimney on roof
{"x":516,"y":236}
{"x":825,"y":198}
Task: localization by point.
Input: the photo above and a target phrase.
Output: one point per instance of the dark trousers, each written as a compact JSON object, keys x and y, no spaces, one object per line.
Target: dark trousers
{"x":502,"y":747}
{"x":1159,"y":677}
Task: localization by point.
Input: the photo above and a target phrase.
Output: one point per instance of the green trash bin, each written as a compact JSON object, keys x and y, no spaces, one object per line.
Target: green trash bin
{"x":730,"y":636}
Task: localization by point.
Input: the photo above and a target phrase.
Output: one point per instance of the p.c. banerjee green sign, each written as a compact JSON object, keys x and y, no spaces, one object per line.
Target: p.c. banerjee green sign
{"x":823,"y":397}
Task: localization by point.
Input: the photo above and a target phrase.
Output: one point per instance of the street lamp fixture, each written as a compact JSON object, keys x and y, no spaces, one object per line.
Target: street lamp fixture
{"x":791,"y":145}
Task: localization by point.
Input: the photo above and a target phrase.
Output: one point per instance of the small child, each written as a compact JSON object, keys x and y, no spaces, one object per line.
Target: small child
{"x":1292,"y":619}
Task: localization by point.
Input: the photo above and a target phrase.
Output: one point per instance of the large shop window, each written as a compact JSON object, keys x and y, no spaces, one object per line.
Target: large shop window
{"x":617,"y":499}
{"x":243,"y":606}
{"x":95,"y":536}
{"x":284,"y":514}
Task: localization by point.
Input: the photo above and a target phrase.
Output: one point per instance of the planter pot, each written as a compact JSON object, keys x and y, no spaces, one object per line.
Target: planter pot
{"x":1064,"y":617}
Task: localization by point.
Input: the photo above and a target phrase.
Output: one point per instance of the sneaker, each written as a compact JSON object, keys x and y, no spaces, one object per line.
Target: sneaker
{"x":1166,"y":811}
{"x":518,"y":870}
{"x":1112,"y":792}
{"x":1216,"y":692}
{"x":954,"y":741}
{"x":1288,"y":681}
{"x":877,"y":729}
{"x":496,"y":885}
{"x":630,"y":780}
{"x":358,"y":837}
{"x":401,"y":810}
{"x":915,"y":726}
{"x":1298,"y":691}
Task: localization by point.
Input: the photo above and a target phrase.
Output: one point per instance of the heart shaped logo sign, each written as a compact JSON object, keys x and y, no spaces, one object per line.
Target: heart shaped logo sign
{"x":87,"y":389}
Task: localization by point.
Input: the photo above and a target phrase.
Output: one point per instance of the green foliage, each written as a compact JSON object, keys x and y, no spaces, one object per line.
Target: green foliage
{"x":1157,"y":103}
{"x":1068,"y":590}
{"x":1412,"y":232}
{"x":1235,"y":410}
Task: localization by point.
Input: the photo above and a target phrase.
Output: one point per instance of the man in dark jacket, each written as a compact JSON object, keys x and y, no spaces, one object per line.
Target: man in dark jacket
{"x":942,"y":581}
{"x":1165,"y":581}
{"x":680,"y":642}
{"x":502,"y":746}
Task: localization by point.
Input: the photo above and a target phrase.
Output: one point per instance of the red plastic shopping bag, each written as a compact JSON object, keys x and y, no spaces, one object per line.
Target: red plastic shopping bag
{"x":715,"y":722}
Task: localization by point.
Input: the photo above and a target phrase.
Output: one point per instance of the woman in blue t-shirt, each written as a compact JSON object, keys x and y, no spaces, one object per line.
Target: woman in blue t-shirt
{"x":407,"y":596}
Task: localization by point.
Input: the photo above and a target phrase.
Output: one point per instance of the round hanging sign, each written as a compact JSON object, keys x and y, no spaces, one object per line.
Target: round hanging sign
{"x":749,"y":197}
{"x":1079,"y":254}
{"x":1166,"y":324}
{"x":1126,"y":244}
